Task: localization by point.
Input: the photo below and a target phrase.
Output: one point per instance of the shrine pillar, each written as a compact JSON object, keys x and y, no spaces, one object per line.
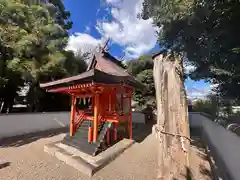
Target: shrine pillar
{"x":130,"y":113}
{"x":95,"y":118}
{"x":72,"y":118}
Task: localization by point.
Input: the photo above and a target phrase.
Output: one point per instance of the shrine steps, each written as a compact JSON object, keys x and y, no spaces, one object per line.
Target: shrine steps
{"x":80,"y":138}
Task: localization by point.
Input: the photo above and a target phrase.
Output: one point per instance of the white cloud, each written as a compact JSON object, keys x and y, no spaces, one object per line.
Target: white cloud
{"x":83,"y":42}
{"x":193,"y":93}
{"x":87,"y":29}
{"x":112,"y":1}
{"x":136,"y":36}
{"x":213,"y":86}
{"x":198,"y":92}
{"x":188,"y":66}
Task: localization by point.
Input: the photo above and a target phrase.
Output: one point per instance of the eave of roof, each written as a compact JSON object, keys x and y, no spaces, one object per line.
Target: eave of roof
{"x":104,"y":69}
{"x":95,"y":76}
{"x":68,"y":80}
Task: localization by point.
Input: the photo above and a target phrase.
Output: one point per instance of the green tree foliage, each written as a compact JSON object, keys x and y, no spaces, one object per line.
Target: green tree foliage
{"x":139,"y":65}
{"x":142,"y":69}
{"x":39,"y":100}
{"x":215,"y":106}
{"x":209,"y":105}
{"x":32,"y":42}
{"x":59,"y":13}
{"x":206,"y":32}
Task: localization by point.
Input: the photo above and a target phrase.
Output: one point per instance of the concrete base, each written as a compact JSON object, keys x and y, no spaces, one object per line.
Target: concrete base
{"x":83,"y":162}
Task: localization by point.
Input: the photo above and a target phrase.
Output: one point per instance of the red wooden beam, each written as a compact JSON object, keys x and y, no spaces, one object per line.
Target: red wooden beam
{"x":95,"y":121}
{"x":73,"y":111}
{"x":130,"y":114}
{"x":82,"y":95}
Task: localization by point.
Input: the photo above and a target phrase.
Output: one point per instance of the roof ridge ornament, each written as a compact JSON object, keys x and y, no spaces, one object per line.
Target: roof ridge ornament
{"x":104,"y":48}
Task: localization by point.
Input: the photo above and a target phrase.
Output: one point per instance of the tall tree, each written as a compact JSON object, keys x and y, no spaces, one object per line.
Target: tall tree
{"x":207,"y":33}
{"x":142,"y":69}
{"x":172,"y":116}
{"x":32,"y":46}
{"x":209,"y":105}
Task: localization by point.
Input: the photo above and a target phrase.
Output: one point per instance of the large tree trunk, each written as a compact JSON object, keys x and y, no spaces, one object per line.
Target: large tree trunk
{"x":172,"y":117}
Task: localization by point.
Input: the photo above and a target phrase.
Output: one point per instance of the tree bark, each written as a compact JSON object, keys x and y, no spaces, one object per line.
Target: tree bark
{"x":172,"y":117}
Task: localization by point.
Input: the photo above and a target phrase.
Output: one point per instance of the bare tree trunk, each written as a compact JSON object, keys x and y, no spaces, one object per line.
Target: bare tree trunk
{"x":172,"y":117}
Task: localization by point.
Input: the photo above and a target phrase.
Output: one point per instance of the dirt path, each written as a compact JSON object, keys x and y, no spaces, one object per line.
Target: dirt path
{"x":30,"y":162}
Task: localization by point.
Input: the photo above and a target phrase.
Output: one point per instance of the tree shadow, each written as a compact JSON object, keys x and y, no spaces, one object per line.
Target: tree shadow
{"x":196,"y":141}
{"x":141,"y":131}
{"x":3,"y":165}
{"x":21,"y":140}
{"x":187,"y":175}
{"x":205,"y":171}
{"x":202,"y":150}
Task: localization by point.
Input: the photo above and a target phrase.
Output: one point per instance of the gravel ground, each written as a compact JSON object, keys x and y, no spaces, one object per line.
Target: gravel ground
{"x":28,"y":161}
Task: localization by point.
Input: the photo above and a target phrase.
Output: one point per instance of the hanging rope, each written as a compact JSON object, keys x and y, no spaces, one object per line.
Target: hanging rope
{"x":175,"y":135}
{"x":172,"y":134}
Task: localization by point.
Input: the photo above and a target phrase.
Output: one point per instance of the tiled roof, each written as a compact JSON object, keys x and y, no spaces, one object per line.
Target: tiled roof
{"x":103,"y":62}
{"x":68,"y":80}
{"x":108,"y":65}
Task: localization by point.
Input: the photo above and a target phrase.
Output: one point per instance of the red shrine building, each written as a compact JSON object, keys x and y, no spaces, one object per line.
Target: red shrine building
{"x":105,"y":92}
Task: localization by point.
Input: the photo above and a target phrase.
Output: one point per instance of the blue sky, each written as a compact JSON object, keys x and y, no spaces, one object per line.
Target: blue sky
{"x":96,"y":20}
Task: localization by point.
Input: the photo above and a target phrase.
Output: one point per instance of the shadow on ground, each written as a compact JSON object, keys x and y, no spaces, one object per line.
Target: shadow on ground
{"x":196,"y":142}
{"x":205,"y":171}
{"x":187,"y":175}
{"x":21,"y":140}
{"x":3,"y":165}
{"x":141,"y":131}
